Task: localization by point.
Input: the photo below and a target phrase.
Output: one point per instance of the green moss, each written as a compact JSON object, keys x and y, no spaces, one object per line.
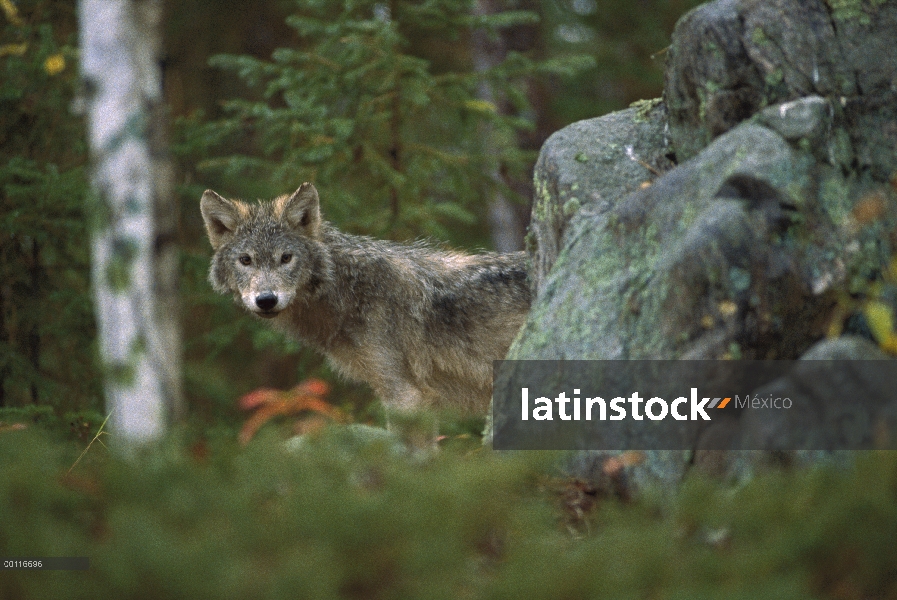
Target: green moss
{"x":840,"y":148}
{"x":543,"y":203}
{"x":735,"y":351}
{"x":571,"y":207}
{"x":529,"y":242}
{"x":712,"y":86}
{"x":852,"y":10}
{"x":774,"y":77}
{"x":759,"y":37}
{"x":644,"y":108}
{"x":712,"y":49}
{"x":705,"y":92}
{"x":650,"y":335}
{"x":834,"y":196}
{"x":687,"y":217}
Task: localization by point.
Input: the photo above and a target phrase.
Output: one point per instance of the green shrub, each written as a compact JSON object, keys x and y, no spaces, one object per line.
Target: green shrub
{"x":47,"y":351}
{"x":196,"y":517}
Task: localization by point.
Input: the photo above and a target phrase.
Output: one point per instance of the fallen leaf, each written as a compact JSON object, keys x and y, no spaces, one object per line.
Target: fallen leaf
{"x":268,"y":403}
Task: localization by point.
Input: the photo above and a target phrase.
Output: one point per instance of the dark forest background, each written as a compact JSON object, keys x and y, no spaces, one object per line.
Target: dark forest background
{"x":482,"y":87}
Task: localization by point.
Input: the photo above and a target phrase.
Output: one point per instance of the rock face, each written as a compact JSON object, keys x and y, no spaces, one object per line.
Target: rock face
{"x":734,"y":218}
{"x":586,"y":168}
{"x":729,"y":59}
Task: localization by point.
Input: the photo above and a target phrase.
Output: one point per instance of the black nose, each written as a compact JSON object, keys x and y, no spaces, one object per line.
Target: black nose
{"x":266,"y":301}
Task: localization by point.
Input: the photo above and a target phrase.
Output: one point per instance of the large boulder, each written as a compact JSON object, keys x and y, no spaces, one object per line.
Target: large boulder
{"x":584,"y":169}
{"x":731,"y":58}
{"x":736,"y":217}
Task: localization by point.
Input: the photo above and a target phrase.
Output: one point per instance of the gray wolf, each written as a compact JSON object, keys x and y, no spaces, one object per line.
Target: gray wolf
{"x":421,"y":326}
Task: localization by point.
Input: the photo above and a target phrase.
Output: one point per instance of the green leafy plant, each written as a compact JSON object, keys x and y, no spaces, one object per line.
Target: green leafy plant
{"x":398,"y":147}
{"x":46,"y":321}
{"x":346,"y":517}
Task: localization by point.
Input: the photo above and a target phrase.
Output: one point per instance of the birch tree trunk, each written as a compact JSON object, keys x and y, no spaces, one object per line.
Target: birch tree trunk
{"x":119,"y":45}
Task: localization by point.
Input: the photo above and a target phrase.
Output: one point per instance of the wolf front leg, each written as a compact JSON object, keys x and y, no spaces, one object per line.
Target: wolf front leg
{"x":409,"y":417}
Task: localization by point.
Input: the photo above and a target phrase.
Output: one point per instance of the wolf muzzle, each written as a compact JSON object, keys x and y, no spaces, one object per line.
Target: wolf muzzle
{"x":266,"y":301}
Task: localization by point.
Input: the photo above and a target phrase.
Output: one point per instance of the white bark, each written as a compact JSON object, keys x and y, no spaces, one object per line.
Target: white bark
{"x":123,"y":82}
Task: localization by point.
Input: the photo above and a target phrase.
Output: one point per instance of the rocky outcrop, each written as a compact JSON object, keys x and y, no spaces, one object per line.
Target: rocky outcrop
{"x":731,"y":58}
{"x":737,"y":216}
{"x":584,"y":169}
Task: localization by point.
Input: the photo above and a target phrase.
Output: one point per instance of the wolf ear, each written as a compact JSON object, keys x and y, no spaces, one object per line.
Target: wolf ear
{"x":221,"y":217}
{"x":302,"y":210}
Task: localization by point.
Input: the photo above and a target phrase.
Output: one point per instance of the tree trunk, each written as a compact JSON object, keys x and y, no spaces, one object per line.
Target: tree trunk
{"x":504,"y":226}
{"x":119,"y":48}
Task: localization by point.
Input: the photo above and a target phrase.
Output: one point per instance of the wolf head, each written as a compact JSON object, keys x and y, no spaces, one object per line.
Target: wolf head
{"x":269,"y":253}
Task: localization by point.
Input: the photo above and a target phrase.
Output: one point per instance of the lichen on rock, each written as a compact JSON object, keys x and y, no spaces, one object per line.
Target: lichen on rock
{"x":722,"y":221}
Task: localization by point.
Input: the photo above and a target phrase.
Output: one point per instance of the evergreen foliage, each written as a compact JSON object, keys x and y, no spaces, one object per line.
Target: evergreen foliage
{"x":46,"y":321}
{"x":341,"y":517}
{"x":398,"y":148}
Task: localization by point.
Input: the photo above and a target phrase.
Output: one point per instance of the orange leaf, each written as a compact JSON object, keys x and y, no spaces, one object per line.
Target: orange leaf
{"x":307,"y":396}
{"x":256,"y":398}
{"x":315,"y":387}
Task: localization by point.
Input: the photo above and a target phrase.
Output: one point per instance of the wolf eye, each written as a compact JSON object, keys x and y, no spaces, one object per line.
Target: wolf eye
{"x":286,"y":258}
{"x":245,"y":260}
